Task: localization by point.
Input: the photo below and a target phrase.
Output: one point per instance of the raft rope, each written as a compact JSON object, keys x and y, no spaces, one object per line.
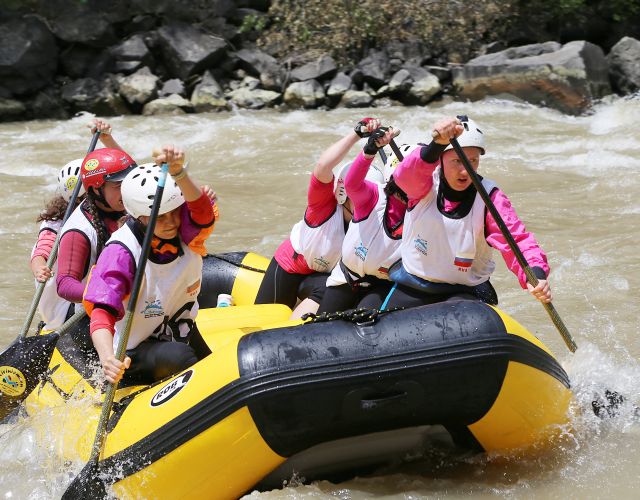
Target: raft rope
{"x":360,"y":316}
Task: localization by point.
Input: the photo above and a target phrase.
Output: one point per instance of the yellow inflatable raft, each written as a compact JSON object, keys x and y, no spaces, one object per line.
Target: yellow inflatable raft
{"x":321,"y":397}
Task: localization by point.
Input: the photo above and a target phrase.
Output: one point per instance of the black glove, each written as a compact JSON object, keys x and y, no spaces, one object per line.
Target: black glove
{"x":371,"y":148}
{"x":361,"y":127}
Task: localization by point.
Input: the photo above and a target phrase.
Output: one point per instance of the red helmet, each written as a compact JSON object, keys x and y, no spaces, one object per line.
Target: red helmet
{"x":104,"y":165}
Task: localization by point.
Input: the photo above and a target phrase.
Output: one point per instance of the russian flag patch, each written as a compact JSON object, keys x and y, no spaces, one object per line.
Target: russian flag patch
{"x":462,"y":262}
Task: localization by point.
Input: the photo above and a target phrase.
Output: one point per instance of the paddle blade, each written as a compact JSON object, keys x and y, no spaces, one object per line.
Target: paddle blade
{"x":22,"y":366}
{"x":86,"y":485}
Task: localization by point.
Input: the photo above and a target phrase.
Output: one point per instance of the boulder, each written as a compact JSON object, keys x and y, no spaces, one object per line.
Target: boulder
{"x":95,"y":96}
{"x":424,"y":89}
{"x":321,"y":69}
{"x":355,"y":99}
{"x":624,"y":65}
{"x":171,"y":105}
{"x":187,"y":51}
{"x":47,"y":104}
{"x":79,"y":61}
{"x":208,"y":96}
{"x":28,"y":55}
{"x":131,"y":55}
{"x":338,"y":86}
{"x":139,"y":88}
{"x":172,"y":86}
{"x":307,"y":94}
{"x":83,"y":26}
{"x":261,"y":65}
{"x":253,"y":99}
{"x":374,"y":69}
{"x":565,"y":77}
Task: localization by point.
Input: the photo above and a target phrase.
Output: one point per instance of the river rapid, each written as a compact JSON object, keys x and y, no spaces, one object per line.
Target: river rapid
{"x":575,"y":181}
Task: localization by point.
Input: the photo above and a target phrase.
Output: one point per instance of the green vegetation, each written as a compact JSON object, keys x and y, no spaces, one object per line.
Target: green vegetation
{"x":348,"y":28}
{"x":451,"y":30}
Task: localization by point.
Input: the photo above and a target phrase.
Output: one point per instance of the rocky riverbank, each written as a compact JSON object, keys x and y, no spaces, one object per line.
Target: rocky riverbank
{"x":144,"y":57}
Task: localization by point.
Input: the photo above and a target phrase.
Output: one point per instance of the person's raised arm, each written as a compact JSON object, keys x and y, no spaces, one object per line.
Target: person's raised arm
{"x":105,"y":130}
{"x":413,"y":174}
{"x":334,"y":154}
{"x":174,"y":157}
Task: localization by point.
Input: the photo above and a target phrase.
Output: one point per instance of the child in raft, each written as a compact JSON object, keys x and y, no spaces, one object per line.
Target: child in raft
{"x":164,"y":338}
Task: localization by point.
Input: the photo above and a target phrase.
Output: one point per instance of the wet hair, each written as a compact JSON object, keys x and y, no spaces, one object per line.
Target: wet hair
{"x":96,"y":220}
{"x":392,"y":188}
{"x":54,"y":210}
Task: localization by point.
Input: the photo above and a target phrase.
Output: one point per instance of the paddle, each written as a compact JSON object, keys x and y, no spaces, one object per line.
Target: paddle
{"x":54,"y":251}
{"x":23,"y":363}
{"x":531,"y":278}
{"x":87,"y":484}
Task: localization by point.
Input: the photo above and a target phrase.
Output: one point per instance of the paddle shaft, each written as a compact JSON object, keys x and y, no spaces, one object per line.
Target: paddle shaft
{"x":531,"y":277}
{"x":131,"y":307}
{"x":54,"y":251}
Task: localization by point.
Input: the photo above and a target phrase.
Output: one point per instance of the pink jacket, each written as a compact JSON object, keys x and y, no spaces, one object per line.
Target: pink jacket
{"x":415,"y":177}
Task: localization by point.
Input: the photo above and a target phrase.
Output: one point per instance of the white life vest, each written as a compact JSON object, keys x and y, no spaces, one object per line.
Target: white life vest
{"x":167,"y":303}
{"x":52,"y":308}
{"x":321,"y":245}
{"x":368,"y":248}
{"x":442,"y":249}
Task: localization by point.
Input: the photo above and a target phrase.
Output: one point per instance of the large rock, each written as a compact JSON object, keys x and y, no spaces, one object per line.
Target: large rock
{"x":95,"y":96}
{"x":79,"y":61}
{"x":83,"y":26}
{"x":28,"y":56}
{"x":208,"y":96}
{"x":187,"y":51}
{"x":307,"y":94}
{"x":253,"y":99}
{"x":139,"y":88}
{"x":355,"y":99}
{"x":565,"y":77}
{"x":47,"y":104}
{"x":131,"y":55}
{"x":624,"y":65}
{"x":424,"y":89}
{"x":321,"y":69}
{"x":171,"y":105}
{"x":261,"y":65}
{"x":374,"y":69}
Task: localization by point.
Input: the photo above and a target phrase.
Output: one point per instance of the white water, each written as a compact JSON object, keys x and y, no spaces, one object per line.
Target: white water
{"x":574,"y":181}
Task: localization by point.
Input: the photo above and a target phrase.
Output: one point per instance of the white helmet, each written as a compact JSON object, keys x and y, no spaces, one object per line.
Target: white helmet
{"x":373,"y":175}
{"x":68,"y":177}
{"x":472,"y":136}
{"x":393,"y":161}
{"x":139,"y":188}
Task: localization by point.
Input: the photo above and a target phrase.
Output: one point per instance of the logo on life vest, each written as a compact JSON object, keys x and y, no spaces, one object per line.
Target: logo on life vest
{"x":321,"y":263}
{"x":171,"y":389}
{"x":91,"y":164}
{"x":361,"y":251}
{"x":153,"y":309}
{"x":12,"y":381}
{"x":462,"y":263}
{"x":193,"y":288}
{"x":420,"y":245}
